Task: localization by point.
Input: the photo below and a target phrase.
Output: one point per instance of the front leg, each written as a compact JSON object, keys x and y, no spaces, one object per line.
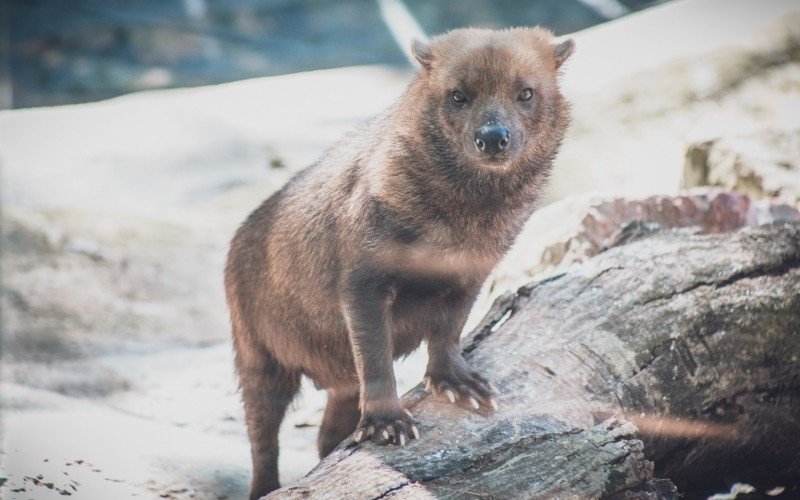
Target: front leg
{"x":448,"y":373}
{"x":366,"y":299}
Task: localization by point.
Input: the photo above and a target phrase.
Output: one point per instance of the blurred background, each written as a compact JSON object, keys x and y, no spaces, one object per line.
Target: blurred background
{"x":137,"y":135}
{"x":70,"y":52}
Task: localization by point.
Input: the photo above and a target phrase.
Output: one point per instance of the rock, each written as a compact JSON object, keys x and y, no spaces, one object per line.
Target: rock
{"x":629,"y":137}
{"x":762,"y":165}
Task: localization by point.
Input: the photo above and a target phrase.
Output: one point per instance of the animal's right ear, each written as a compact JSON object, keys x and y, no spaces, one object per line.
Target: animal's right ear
{"x":422,"y":52}
{"x":562,"y":51}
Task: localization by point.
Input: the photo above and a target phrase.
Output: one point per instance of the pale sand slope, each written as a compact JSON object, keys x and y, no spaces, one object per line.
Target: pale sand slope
{"x":130,"y":204}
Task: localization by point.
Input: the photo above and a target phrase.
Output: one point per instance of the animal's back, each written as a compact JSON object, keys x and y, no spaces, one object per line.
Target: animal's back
{"x":284,"y":266}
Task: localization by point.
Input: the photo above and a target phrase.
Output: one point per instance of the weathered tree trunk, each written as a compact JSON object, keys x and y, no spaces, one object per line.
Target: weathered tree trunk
{"x":694,"y":339}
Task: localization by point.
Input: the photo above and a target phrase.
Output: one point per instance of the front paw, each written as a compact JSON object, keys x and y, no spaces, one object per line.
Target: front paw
{"x":386,"y":424}
{"x":457,"y":382}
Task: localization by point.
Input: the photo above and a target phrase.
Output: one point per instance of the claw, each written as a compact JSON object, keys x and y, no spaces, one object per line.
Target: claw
{"x":493,"y":403}
{"x":450,"y":395}
{"x":370,"y":430}
{"x":474,"y":403}
{"x":402,"y":440}
{"x":359,"y":435}
{"x":493,"y":388}
{"x":407,"y":412}
{"x":415,"y":431}
{"x":384,"y":435}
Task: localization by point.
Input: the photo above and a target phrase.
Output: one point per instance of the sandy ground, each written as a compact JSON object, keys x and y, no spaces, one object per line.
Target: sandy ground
{"x":117,"y":377}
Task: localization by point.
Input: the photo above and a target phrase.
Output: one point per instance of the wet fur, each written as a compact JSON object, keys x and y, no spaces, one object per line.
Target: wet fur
{"x":385,"y":242}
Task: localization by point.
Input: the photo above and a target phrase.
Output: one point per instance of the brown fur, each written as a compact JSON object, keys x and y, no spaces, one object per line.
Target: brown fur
{"x":385,"y":242}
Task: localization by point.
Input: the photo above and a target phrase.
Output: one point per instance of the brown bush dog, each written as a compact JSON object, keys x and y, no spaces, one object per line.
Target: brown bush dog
{"x":386,"y":241}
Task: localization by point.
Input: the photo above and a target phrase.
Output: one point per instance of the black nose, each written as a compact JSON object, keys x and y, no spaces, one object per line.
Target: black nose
{"x":491,"y":139}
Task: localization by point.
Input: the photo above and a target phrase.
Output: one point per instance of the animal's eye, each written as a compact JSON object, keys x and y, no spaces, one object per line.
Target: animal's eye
{"x":525,"y":95}
{"x":459,"y":97}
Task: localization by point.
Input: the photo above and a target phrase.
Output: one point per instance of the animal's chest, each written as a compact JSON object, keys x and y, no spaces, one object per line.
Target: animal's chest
{"x":427,"y":265}
{"x":422,"y":307}
{"x":473,"y":243}
{"x":458,"y":246}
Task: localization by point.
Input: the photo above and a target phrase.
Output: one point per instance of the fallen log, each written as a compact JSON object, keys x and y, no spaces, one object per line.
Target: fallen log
{"x":693,"y":339}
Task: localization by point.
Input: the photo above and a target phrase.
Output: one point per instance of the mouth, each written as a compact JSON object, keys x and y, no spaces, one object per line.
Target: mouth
{"x":496,"y":160}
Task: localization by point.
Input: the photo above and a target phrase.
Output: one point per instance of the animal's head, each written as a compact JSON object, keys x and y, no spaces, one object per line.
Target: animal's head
{"x":493,"y":95}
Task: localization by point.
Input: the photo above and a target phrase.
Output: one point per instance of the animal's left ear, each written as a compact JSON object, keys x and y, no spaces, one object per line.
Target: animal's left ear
{"x":562,"y":51}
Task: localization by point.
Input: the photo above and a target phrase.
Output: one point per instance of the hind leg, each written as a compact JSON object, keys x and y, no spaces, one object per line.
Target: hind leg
{"x":340,"y":419}
{"x":267,"y":390}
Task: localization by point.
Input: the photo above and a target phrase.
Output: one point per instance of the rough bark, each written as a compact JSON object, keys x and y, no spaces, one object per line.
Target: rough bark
{"x":694,"y":339}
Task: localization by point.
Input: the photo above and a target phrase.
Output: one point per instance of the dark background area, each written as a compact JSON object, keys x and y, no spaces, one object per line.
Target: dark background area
{"x":84,"y":50}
